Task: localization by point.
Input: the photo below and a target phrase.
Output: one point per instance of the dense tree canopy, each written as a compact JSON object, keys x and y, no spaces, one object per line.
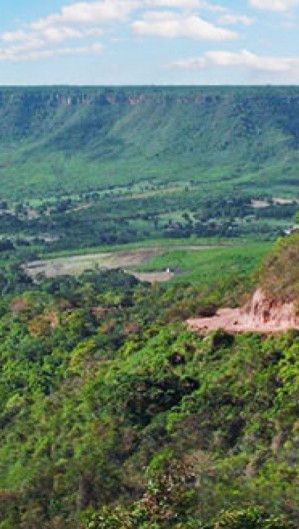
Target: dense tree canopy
{"x":114,"y":416}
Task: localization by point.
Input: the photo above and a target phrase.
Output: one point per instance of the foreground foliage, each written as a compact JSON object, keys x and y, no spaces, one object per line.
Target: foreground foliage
{"x":114,"y":416}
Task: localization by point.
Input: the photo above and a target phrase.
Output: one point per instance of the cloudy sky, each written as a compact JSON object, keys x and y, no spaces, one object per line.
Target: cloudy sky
{"x":149,"y":42}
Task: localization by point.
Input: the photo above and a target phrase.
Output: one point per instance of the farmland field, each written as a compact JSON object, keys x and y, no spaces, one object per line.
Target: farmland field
{"x":197,"y":264}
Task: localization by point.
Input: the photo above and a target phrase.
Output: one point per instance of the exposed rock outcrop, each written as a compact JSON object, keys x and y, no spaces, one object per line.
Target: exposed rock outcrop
{"x":262,"y":314}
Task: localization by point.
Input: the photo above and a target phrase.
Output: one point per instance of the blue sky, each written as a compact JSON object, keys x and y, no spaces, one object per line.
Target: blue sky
{"x":149,"y":42}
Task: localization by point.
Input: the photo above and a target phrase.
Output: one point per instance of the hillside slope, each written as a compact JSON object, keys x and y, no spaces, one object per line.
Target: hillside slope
{"x":76,"y":139}
{"x":274,"y":307}
{"x":103,"y":390}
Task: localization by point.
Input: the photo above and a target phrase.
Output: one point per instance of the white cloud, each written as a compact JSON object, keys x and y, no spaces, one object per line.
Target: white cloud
{"x":231,"y":19}
{"x":53,"y":34}
{"x":242,"y":59}
{"x":85,"y":21}
{"x":170,"y":25}
{"x":80,"y":20}
{"x":50,"y":36}
{"x":14,"y":36}
{"x":274,"y":5}
{"x":22,"y":55}
{"x":186,"y":4}
{"x":22,"y":44}
{"x":82,"y":13}
{"x":93,"y":32}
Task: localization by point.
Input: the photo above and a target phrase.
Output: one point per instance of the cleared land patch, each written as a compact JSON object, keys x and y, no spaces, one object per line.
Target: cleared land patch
{"x":262,"y":314}
{"x":200,"y":264}
{"x":78,"y":263}
{"x":132,"y":261}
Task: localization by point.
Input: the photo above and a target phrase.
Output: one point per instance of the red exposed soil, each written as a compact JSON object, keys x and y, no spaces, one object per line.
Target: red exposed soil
{"x":261,"y":314}
{"x":19,"y":305}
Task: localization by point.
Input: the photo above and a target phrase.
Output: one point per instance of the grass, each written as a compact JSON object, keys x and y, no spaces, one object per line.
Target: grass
{"x":212,"y":264}
{"x":195,"y":265}
{"x":150,"y":243}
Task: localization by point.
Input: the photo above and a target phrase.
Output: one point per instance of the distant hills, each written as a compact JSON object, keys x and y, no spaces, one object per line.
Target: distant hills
{"x":55,"y":140}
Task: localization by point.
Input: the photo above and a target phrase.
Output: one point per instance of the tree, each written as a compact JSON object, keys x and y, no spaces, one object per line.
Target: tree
{"x":250,"y":518}
{"x":168,"y":502}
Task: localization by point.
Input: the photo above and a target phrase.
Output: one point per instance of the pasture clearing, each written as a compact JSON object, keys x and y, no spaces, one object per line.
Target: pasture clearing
{"x":76,"y":264}
{"x":132,"y":261}
{"x":158,"y":264}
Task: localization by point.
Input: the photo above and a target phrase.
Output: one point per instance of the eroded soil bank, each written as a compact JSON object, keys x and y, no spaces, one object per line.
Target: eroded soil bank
{"x":262,"y":314}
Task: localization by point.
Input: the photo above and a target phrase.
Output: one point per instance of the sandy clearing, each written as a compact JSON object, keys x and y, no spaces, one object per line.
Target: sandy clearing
{"x":261,"y":315}
{"x":152,"y":277}
{"x":233,"y":321}
{"x":260,"y":204}
{"x":285,"y":201}
{"x":76,"y":264}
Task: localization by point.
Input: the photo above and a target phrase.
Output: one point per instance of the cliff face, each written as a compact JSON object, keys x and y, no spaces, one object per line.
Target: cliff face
{"x":267,"y":313}
{"x":262,"y":314}
{"x":274,"y":307}
{"x":241,"y":112}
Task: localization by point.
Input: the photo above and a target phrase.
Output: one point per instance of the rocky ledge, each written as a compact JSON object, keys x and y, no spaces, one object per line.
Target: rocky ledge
{"x":261,"y":314}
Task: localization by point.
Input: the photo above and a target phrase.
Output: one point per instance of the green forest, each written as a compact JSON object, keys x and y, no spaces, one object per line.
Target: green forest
{"x":63,"y":140}
{"x":113,"y":414}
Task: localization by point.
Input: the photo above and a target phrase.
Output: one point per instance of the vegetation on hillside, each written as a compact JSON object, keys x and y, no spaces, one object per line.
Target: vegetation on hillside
{"x":280,"y":273}
{"x":81,"y":167}
{"x":58,"y":140}
{"x":114,"y":416}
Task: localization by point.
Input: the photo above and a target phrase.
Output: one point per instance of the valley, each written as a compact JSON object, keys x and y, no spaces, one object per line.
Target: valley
{"x":132,"y":221}
{"x":81,"y":169}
